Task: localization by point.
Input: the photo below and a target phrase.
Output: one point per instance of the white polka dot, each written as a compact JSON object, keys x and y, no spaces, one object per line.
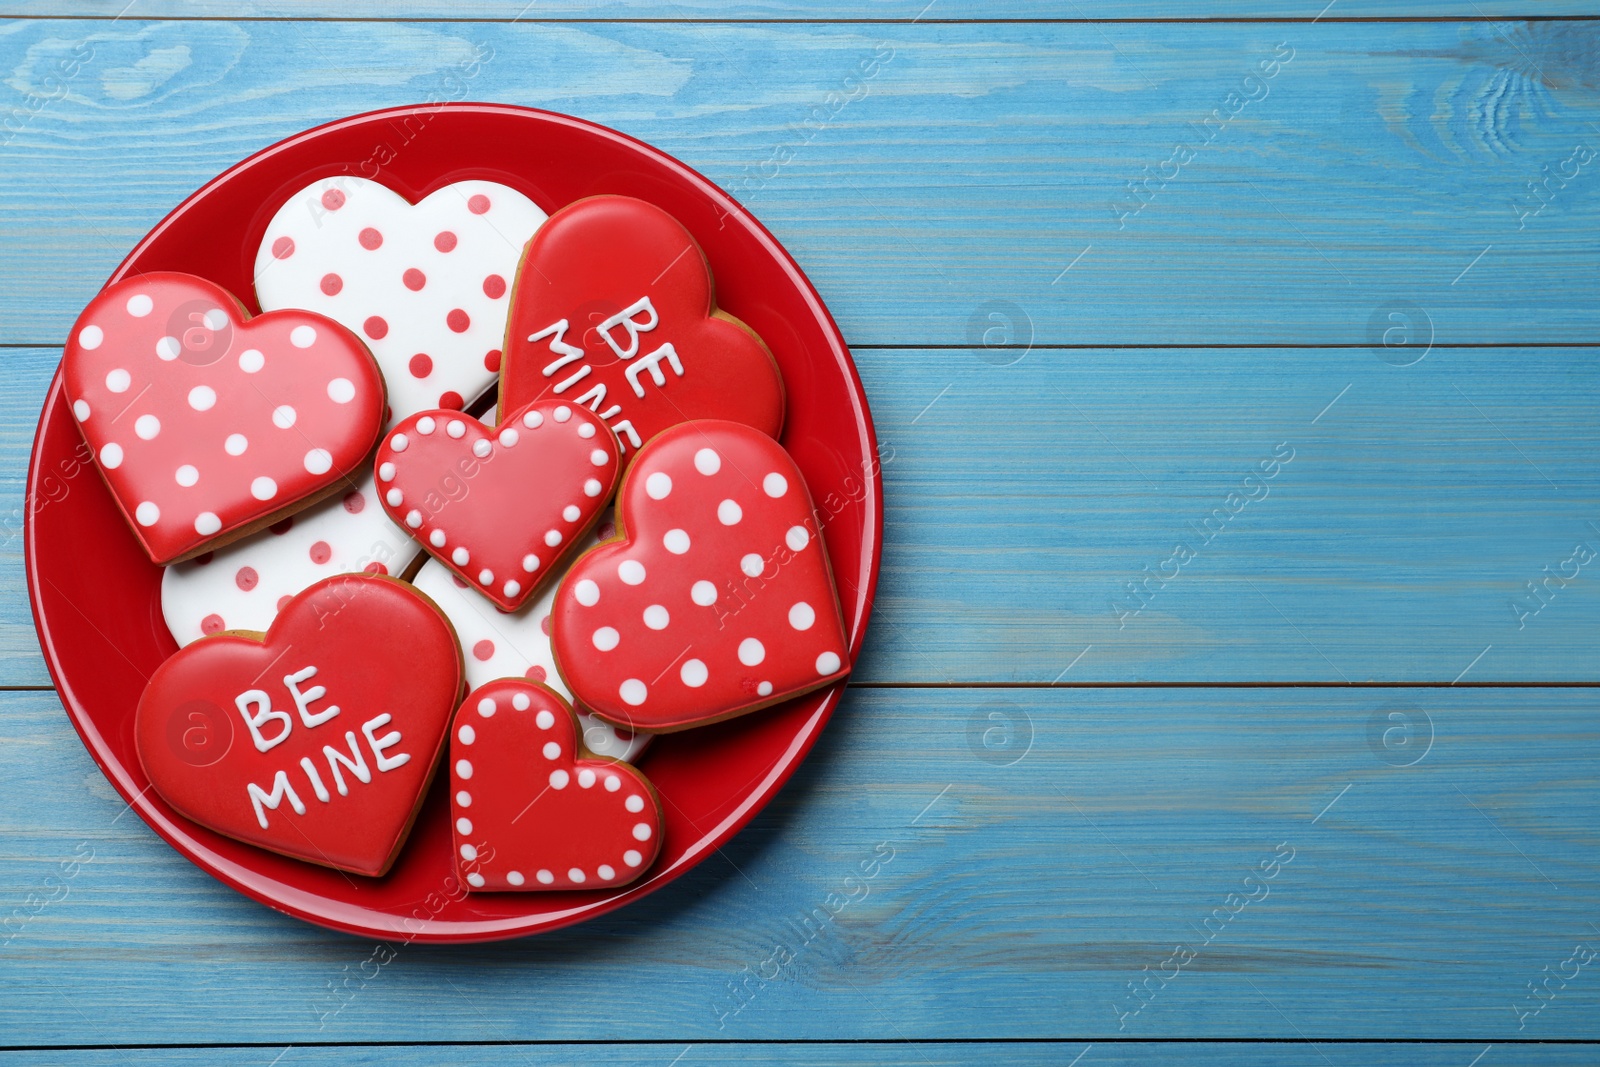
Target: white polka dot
{"x":414,"y":518}
{"x":139,"y":305}
{"x":592,"y":487}
{"x":167,"y":349}
{"x":147,"y":426}
{"x":599,"y":457}
{"x":575,"y":875}
{"x":186,"y":475}
{"x":111,"y":456}
{"x":656,"y":617}
{"x":694,"y":674}
{"x":235,"y":444}
{"x":530,"y":563}
{"x":631,"y":571}
{"x":801,"y":616}
{"x":386,"y":471}
{"x":586,"y":778}
{"x":460,"y":556}
{"x":563,"y":413}
{"x":251,"y":360}
{"x":606,"y":871}
{"x":764,"y":689}
{"x":676,"y":541}
{"x":263,"y":488}
{"x":215,"y":319}
{"x":302,"y":336}
{"x":827,"y":663}
{"x":482,"y":447}
{"x":464,"y":825}
{"x":399,"y":443}
{"x":613,"y":783}
{"x":467,"y":734}
{"x":426,"y":425}
{"x":751,"y":652}
{"x":90,"y":337}
{"x":703,"y":593}
{"x":658,"y":485}
{"x":797,"y":538}
{"x":202,"y":398}
{"x":706,"y":461}
{"x":475,"y":880}
{"x":319,"y":461}
{"x":147,"y":514}
{"x":486,"y":577}
{"x":283,"y":416}
{"x":456,"y":428}
{"x":509,"y":438}
{"x":606,"y":638}
{"x":469,"y":852}
{"x":206,"y":523}
{"x":632,"y":858}
{"x":552,"y":538}
{"x":80,"y":410}
{"x":464,"y":798}
{"x":729,"y":513}
{"x":119,"y":380}
{"x":463,"y":768}
{"x":512,"y":589}
{"x":752,"y":565}
{"x":533,"y":420}
{"x":587,"y":592}
{"x":571,"y":513}
{"x":634,"y":803}
{"x":341,"y":390}
{"x":544,"y":877}
{"x":486,"y":707}
{"x":641,"y":831}
{"x":515,"y":877}
{"x":544,"y":719}
{"x":633,"y":692}
{"x":551,"y":750}
{"x":775,"y":485}
{"x":586,"y":430}
{"x":559,"y":779}
{"x":437,"y":539}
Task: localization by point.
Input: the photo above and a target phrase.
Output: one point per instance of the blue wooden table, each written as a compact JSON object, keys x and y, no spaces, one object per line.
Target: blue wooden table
{"x":1230,"y":696}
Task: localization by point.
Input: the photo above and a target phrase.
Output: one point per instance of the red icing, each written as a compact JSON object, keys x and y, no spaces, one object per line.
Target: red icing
{"x":452,"y":400}
{"x":483,"y":650}
{"x":445,"y":241}
{"x":599,"y":257}
{"x":478,"y":203}
{"x":376,"y":327}
{"x":283,"y":602}
{"x":354,"y":502}
{"x":320,"y":552}
{"x":494,"y":287}
{"x":421,"y":365}
{"x":379,"y":649}
{"x":211,"y":624}
{"x":375,"y":568}
{"x":537,"y":801}
{"x":498,"y":495}
{"x":246,"y":578}
{"x":414,"y":279}
{"x":331,"y":284}
{"x":635,"y":629}
{"x":370,"y":238}
{"x":203,"y":422}
{"x":457,"y":320}
{"x":491,"y":361}
{"x":283,"y":247}
{"x":283,"y":525}
{"x":333,"y":199}
{"x":535,"y":673}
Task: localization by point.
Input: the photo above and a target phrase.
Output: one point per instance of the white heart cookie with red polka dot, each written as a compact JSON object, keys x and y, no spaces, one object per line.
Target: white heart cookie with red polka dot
{"x":716,"y":600}
{"x":531,"y":809}
{"x":208,"y":424}
{"x":425,"y":285}
{"x":498,"y":644}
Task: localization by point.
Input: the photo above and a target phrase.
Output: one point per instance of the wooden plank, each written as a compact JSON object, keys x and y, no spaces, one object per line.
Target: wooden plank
{"x":1396,"y":544}
{"x":1002,"y":864}
{"x":980,"y":169}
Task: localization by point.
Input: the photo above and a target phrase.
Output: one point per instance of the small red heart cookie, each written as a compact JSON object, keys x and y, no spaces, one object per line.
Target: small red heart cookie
{"x":316,"y":739}
{"x":613,"y":309}
{"x":717,"y":600}
{"x":208,"y":424}
{"x":532,"y":808}
{"x":503,"y":507}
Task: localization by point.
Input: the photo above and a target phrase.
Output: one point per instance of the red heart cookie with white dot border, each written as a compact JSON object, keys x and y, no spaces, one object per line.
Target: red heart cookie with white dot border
{"x":317,"y":739}
{"x":716,"y":601}
{"x":531,"y":809}
{"x":208,"y":424}
{"x":613,"y":308}
{"x":502,"y":507}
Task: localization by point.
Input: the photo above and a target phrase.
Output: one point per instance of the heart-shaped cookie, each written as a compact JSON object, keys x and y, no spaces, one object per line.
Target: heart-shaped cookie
{"x":208,"y":424}
{"x":503,"y":507}
{"x":613,"y":309}
{"x":717,"y":599}
{"x":316,"y":739}
{"x":531,"y":808}
{"x":426,"y":285}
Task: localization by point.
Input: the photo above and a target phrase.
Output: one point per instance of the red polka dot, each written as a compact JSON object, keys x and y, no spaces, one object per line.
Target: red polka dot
{"x":370,"y":238}
{"x":203,"y":558}
{"x":534,"y":673}
{"x":376,"y":568}
{"x":544,"y":626}
{"x":211,"y":624}
{"x":333,"y":199}
{"x":622,"y":735}
{"x":451,"y":400}
{"x":354,"y":502}
{"x":491,"y":361}
{"x":445,"y":241}
{"x":608,"y":530}
{"x":414,"y":279}
{"x":421,"y":366}
{"x":478,"y":204}
{"x":483,"y":649}
{"x":459,"y":583}
{"x":246,"y":578}
{"x":282,"y":526}
{"x":283,"y":602}
{"x":321,"y":553}
{"x":494,"y":287}
{"x":283,"y":247}
{"x":457,"y":320}
{"x":331,"y":284}
{"x":376,"y":328}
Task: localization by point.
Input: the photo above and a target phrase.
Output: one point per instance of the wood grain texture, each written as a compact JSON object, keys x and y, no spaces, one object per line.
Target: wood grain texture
{"x":1036,"y":851}
{"x":976,"y":163}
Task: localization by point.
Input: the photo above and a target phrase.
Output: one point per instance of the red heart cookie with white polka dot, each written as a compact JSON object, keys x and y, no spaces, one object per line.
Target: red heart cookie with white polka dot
{"x":717,"y":600}
{"x":531,"y":808}
{"x":503,"y":508}
{"x":426,"y":285}
{"x":613,"y":308}
{"x":208,"y":424}
{"x":316,"y":739}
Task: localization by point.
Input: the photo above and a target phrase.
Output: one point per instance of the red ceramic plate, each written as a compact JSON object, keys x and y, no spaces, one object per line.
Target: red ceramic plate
{"x":96,"y":598}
